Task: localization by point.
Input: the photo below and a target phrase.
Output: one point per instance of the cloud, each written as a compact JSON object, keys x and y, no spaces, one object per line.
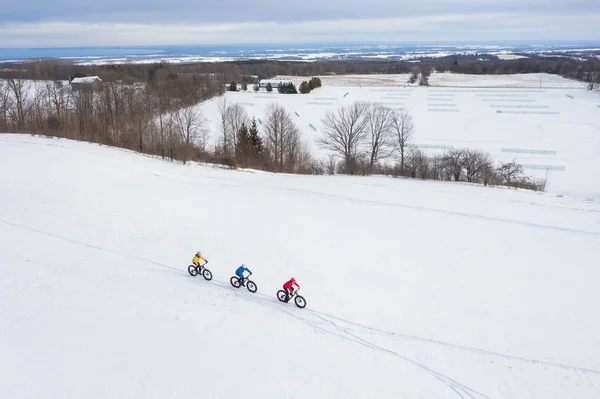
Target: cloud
{"x":271,"y":22}
{"x":225,"y":11}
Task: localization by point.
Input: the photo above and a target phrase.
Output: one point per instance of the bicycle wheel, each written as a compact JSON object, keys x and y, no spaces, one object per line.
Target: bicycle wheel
{"x":300,"y":301}
{"x":192,"y":270}
{"x":235,"y":281}
{"x":207,"y":274}
{"x":281,"y":295}
{"x":251,"y":286}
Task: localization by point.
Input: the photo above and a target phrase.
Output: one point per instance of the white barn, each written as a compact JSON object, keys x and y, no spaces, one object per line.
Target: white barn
{"x":86,"y":83}
{"x":274,"y":82}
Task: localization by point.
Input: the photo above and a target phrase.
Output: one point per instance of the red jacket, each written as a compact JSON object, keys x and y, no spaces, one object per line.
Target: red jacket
{"x":289,"y":284}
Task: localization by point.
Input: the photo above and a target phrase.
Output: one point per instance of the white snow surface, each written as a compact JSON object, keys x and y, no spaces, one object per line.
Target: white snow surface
{"x":415,"y":289}
{"x":561,"y":120}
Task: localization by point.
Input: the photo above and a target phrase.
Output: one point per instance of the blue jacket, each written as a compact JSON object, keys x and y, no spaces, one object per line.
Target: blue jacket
{"x":240,"y":271}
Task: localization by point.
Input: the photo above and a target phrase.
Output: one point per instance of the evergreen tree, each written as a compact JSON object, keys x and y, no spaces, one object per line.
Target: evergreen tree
{"x":233,"y":86}
{"x":311,"y":85}
{"x":244,"y":86}
{"x":243,"y":148}
{"x":287,"y":88}
{"x":305,"y":88}
{"x":256,"y":87}
{"x":269,"y":87}
{"x":255,"y":140}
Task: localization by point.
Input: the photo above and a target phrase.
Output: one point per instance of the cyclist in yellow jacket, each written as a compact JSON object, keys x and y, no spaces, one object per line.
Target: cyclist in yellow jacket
{"x":197,"y":258}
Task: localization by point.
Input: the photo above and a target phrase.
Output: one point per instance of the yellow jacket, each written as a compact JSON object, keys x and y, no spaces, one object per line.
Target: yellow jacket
{"x":197,"y":258}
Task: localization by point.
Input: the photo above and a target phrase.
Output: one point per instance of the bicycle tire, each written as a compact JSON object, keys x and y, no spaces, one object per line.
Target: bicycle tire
{"x":300,"y":301}
{"x":235,"y":282}
{"x":192,"y":270}
{"x":281,"y":295}
{"x":251,"y":285}
{"x":207,"y":274}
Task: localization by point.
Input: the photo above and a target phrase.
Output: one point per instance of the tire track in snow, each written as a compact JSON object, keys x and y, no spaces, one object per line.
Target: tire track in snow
{"x":339,"y":196}
{"x":72,"y":241}
{"x":442,"y":211}
{"x":328,"y":319}
{"x":367,"y":329}
{"x":459,"y":389}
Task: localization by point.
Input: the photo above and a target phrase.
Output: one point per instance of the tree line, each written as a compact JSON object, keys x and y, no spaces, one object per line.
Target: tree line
{"x":250,"y":71}
{"x":367,"y":138}
{"x":362,"y":138}
{"x":152,"y":118}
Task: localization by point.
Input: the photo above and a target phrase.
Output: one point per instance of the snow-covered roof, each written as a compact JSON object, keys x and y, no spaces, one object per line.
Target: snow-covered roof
{"x":87,"y":79}
{"x":267,"y":81}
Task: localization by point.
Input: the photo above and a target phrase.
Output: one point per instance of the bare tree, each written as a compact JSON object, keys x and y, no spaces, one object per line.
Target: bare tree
{"x":4,"y":104}
{"x":299,"y":159}
{"x":83,"y":104}
{"x":59,"y":96}
{"x":344,"y":131}
{"x":19,"y":95}
{"x":381,"y":143}
{"x":140,"y":121}
{"x":160,"y":89}
{"x":403,"y":126}
{"x":39,"y":113}
{"x":453,"y":162}
{"x":191,"y":126}
{"x":488,"y":175}
{"x":226,"y":141}
{"x":331,"y":165}
{"x":282,"y":136}
{"x":416,"y":162}
{"x":475,"y":163}
{"x":236,"y":116}
{"x":510,"y":172}
{"x":436,"y":167}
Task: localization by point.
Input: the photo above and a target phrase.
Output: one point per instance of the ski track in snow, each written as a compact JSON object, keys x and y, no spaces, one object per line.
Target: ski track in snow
{"x":335,"y":326}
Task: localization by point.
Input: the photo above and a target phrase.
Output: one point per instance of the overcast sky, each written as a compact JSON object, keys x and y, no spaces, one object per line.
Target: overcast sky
{"x":58,"y":23}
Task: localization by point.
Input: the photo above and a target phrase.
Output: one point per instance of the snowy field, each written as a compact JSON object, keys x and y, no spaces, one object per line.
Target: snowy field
{"x":556,"y":127}
{"x":415,"y":289}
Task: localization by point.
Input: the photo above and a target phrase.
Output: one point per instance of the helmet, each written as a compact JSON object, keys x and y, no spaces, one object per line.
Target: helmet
{"x":199,"y":253}
{"x":243,"y":265}
{"x":293,"y":280}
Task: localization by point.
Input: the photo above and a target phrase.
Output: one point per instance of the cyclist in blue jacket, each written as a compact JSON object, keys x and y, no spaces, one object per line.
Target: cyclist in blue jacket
{"x":240,"y":273}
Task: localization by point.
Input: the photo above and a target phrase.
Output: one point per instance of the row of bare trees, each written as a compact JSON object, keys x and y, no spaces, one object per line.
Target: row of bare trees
{"x":147,"y":118}
{"x":468,"y":165}
{"x":369,"y":138}
{"x":365,"y":132}
{"x":366,"y":138}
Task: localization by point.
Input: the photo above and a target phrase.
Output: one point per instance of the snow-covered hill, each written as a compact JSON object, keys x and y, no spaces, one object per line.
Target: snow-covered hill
{"x":415,"y":289}
{"x":543,"y":121}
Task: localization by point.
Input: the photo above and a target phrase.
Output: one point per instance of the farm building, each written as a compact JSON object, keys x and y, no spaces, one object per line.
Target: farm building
{"x":274,"y":82}
{"x":86,"y":83}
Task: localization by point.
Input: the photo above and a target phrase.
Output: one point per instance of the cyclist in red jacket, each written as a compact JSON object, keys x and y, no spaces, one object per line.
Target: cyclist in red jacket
{"x":288,"y":287}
